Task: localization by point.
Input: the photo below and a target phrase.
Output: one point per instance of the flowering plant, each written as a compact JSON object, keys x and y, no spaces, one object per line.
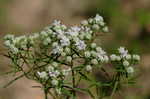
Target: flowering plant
{"x":61,"y":57}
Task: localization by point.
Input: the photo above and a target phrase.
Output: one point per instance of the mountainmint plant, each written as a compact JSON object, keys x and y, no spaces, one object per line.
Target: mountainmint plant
{"x":61,"y":58}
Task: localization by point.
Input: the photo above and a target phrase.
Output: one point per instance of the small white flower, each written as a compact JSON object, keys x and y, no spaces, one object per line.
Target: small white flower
{"x":54,"y":44}
{"x":136,"y":57}
{"x":63,"y":27}
{"x":128,"y":56}
{"x":64,"y":41}
{"x":54,"y":82}
{"x":81,"y":36}
{"x":67,"y":50}
{"x":93,"y":45}
{"x":106,"y":59}
{"x":122,"y":51}
{"x":42,"y":74}
{"x":94,"y":61}
{"x":125,"y":63}
{"x":57,"y":50}
{"x":130,"y":69}
{"x":76,"y":28}
{"x":14,"y":49}
{"x":101,"y":23}
{"x":75,"y":39}
{"x":47,"y":41}
{"x":96,"y":27}
{"x":7,"y":43}
{"x":88,"y":68}
{"x":9,"y":37}
{"x":105,"y":29}
{"x":113,"y":57}
{"x":118,"y":58}
{"x":98,"y":18}
{"x":54,"y":74}
{"x":88,"y":36}
{"x":63,"y":54}
{"x":75,"y":56}
{"x":48,"y":30}
{"x":59,"y":31}
{"x":74,"y":31}
{"x":100,"y":58}
{"x":68,"y":58}
{"x":44,"y":34}
{"x":98,"y":49}
{"x":80,"y":45}
{"x":60,"y":36}
{"x":87,"y":54}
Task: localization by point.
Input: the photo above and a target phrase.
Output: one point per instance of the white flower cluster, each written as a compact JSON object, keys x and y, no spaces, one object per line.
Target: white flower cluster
{"x":59,"y":36}
{"x":96,"y":55}
{"x":61,"y":45}
{"x":54,"y":73}
{"x":125,"y":58}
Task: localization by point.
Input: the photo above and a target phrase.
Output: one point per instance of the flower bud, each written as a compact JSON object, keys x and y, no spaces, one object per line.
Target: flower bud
{"x":87,"y":54}
{"x":68,"y":58}
{"x":42,"y":74}
{"x":113,"y":57}
{"x":126,"y":63}
{"x":128,"y":56}
{"x":67,"y":50}
{"x":130,"y":69}
{"x":54,"y":82}
{"x":75,"y":55}
{"x":105,"y":29}
{"x":98,"y":49}
{"x":63,"y":54}
{"x":136,"y":57}
{"x":96,"y":27}
{"x":88,"y":68}
{"x":93,"y":45}
{"x":94,"y":61}
{"x":118,"y":58}
{"x":88,"y":36}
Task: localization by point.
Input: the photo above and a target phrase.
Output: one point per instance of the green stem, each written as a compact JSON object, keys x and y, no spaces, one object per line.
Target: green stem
{"x":73,"y":81}
{"x":13,"y":80}
{"x":114,"y":89}
{"x":46,"y":95}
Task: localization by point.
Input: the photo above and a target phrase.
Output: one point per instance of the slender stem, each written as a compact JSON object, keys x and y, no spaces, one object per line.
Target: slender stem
{"x":114,"y":89}
{"x":13,"y":80}
{"x":73,"y":81}
{"x":116,"y":82}
{"x":46,"y":95}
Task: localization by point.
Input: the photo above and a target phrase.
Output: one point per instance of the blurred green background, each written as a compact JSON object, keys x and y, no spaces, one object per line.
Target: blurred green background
{"x":128,"y":21}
